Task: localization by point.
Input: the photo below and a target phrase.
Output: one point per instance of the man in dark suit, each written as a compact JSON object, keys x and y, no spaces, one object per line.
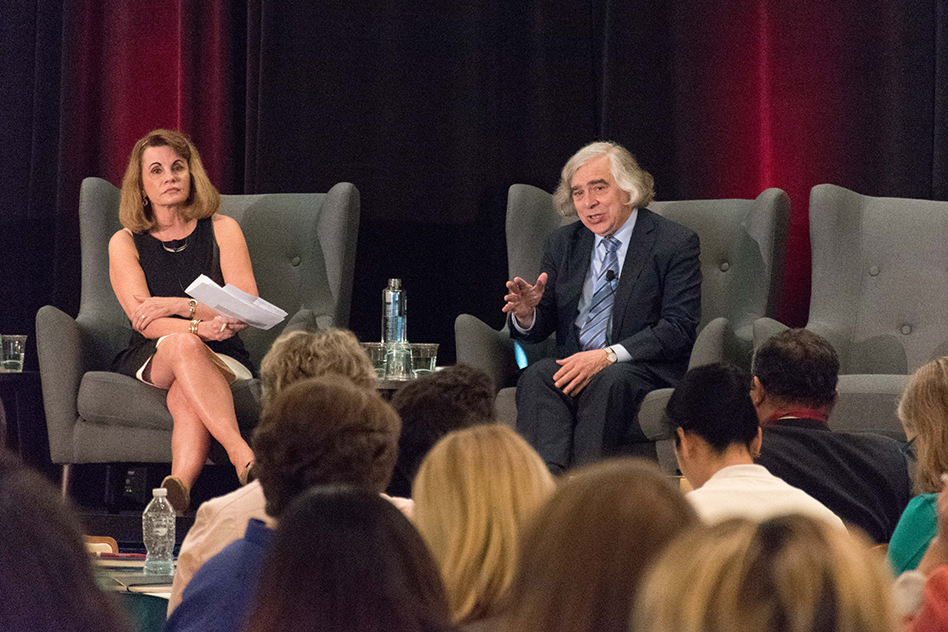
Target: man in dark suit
{"x":622,"y":290}
{"x":862,"y":477}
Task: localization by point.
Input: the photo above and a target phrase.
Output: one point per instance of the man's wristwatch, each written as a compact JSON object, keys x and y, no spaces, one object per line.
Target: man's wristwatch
{"x":610,"y":355}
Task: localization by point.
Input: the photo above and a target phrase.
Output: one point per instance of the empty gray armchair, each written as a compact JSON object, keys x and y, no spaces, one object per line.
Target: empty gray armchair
{"x":302,"y":248}
{"x":879,"y":266}
{"x":742,"y":255}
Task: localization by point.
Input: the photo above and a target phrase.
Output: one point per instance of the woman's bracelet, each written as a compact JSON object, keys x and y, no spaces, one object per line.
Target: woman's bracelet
{"x":193,"y":327}
{"x":192,"y":306}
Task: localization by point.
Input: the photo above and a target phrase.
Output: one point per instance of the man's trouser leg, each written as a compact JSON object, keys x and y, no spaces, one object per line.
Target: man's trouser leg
{"x":545,"y":416}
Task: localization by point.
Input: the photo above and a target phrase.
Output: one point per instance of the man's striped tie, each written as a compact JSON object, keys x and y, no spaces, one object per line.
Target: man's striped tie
{"x":593,"y":333}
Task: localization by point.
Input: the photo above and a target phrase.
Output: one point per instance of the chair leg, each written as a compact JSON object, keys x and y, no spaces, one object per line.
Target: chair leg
{"x":66,"y":480}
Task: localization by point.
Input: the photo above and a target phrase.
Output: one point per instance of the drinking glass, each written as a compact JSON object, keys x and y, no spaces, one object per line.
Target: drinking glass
{"x":12,"y":350}
{"x":376,"y":353}
{"x":423,"y":358}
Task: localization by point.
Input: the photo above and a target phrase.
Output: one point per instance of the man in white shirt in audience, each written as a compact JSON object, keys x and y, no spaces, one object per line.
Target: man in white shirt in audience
{"x":717,"y":435}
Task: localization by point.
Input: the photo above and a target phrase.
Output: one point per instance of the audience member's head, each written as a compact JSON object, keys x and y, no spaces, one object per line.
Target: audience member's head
{"x":48,"y":582}
{"x":788,"y":574}
{"x":345,"y":559}
{"x":324,"y":431}
{"x":923,"y":411}
{"x":714,"y":418}
{"x":299,"y":355}
{"x":792,"y":370}
{"x":583,"y":555}
{"x":473,"y":493}
{"x":456,"y":397}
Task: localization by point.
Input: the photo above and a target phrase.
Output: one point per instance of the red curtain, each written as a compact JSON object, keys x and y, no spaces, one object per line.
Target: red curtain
{"x":136,"y":66}
{"x":433,"y":110}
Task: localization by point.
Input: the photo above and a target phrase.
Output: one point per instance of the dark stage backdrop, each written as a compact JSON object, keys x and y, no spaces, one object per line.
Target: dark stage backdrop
{"x":434,"y":108}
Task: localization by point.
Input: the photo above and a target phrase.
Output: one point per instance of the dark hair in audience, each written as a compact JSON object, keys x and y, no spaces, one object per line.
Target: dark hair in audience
{"x":797,"y":366}
{"x":583,"y":555}
{"x":456,"y":397}
{"x":322,"y":431}
{"x":713,"y":402}
{"x":788,"y":574}
{"x":344,"y":559}
{"x":48,"y":582}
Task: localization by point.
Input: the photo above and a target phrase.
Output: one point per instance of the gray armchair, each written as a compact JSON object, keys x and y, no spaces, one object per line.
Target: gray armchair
{"x":879,"y":267}
{"x":302,"y":247}
{"x":742,"y":255}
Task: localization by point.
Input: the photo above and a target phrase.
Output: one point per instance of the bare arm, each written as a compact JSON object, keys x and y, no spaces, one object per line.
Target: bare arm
{"x":149,"y":315}
{"x":152,"y":316}
{"x":235,"y":258}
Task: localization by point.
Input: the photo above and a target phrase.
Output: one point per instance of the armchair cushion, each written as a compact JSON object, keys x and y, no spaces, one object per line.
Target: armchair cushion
{"x":114,"y":399}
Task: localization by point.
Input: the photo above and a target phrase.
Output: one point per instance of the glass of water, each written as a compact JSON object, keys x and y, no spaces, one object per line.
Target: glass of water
{"x":376,"y":353}
{"x":12,"y":350}
{"x":398,"y":361}
{"x":423,"y":358}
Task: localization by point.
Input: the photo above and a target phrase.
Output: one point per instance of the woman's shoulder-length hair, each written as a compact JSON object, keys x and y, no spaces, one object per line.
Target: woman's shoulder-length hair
{"x":203,"y":198}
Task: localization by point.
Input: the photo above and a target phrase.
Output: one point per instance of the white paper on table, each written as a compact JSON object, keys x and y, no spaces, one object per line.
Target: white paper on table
{"x":235,"y":303}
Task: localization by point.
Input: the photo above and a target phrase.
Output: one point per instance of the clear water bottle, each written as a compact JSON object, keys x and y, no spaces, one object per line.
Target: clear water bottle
{"x":394,"y":313}
{"x":158,"y":533}
{"x":394,"y":331}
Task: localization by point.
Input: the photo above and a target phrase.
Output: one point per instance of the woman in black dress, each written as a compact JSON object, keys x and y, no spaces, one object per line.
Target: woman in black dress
{"x":172,"y":234}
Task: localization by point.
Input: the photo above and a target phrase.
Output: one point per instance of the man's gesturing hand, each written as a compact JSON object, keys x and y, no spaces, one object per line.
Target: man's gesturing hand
{"x":522,"y":298}
{"x":576,"y":371}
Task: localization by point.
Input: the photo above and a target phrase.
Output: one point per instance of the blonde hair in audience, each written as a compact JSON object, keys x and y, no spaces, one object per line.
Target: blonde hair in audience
{"x":473,"y":493}
{"x":300,"y":355}
{"x":583,"y":555}
{"x":788,"y":574}
{"x":923,"y":410}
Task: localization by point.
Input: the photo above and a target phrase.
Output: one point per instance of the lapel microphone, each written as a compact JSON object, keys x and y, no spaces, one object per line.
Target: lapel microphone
{"x":610,"y":275}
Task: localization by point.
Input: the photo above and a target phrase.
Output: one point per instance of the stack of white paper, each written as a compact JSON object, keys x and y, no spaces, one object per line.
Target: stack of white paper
{"x":236,"y":303}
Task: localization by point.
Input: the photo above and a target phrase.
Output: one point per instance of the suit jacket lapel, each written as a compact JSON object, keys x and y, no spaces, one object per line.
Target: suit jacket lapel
{"x":640,"y":246}
{"x":578,"y":266}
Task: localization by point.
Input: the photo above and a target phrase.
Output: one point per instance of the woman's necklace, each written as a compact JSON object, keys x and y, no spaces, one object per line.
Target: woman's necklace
{"x":172,"y":247}
{"x":175,"y":245}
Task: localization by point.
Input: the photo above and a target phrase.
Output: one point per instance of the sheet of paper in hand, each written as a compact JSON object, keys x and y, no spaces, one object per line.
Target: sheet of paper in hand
{"x":236,"y":303}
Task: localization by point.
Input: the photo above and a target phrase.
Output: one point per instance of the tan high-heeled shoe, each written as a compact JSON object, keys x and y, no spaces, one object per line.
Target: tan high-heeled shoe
{"x":178,"y":494}
{"x":248,"y":474}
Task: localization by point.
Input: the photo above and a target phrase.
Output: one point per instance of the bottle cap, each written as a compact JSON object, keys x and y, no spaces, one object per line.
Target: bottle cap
{"x":159,"y":492}
{"x":394,"y":284}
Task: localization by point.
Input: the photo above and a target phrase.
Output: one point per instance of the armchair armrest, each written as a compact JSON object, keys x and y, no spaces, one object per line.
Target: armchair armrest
{"x":59,"y":343}
{"x":307,"y":320}
{"x":765,"y":328}
{"x":712,"y":344}
{"x":482,"y":347}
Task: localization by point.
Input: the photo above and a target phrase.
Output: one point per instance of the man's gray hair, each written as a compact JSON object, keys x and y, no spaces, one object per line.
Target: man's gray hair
{"x":629,"y":176}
